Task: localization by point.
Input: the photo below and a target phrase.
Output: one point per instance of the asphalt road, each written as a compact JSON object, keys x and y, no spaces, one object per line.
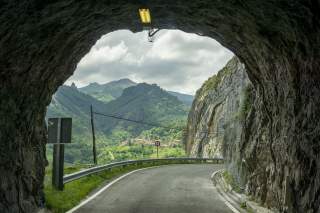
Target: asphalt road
{"x":166,"y":189}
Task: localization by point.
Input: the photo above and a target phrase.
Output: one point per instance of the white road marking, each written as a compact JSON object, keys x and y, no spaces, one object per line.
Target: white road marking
{"x":214,"y":173}
{"x":127,"y":174}
{"x":104,"y":188}
{"x":233,"y":209}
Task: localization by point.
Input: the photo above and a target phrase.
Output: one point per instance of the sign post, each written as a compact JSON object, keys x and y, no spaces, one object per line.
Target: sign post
{"x":59,"y":133}
{"x":57,"y":166}
{"x":157,"y":144}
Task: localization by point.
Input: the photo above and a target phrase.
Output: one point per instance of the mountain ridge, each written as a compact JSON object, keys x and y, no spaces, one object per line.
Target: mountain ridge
{"x":142,"y":102}
{"x":145,"y":102}
{"x":111,"y":90}
{"x":108,"y":91}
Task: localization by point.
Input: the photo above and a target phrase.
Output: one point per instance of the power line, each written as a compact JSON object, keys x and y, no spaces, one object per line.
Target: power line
{"x":135,"y":121}
{"x":150,"y":124}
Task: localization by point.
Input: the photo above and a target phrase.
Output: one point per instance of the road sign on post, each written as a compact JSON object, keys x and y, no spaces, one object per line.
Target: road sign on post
{"x":59,"y":133}
{"x":157,"y":144}
{"x":59,"y":130}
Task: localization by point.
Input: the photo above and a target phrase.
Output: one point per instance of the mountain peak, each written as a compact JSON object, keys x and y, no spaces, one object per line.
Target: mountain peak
{"x":126,"y":80}
{"x":109,"y":91}
{"x":73,"y":85}
{"x":123,"y":83}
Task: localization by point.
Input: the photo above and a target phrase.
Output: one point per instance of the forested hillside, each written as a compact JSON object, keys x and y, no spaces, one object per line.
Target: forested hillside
{"x":158,"y":115}
{"x":109,"y":91}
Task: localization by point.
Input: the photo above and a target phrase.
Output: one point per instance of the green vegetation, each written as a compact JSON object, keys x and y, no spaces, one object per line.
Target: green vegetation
{"x":109,"y":91}
{"x":213,"y":82}
{"x":174,"y":134}
{"x":119,"y":139}
{"x":231,"y":181}
{"x":103,"y":97}
{"x":116,"y":140}
{"x":119,"y":153}
{"x":75,"y":191}
{"x":148,"y":104}
{"x":122,"y":145}
{"x":243,"y":205}
{"x":246,"y":102}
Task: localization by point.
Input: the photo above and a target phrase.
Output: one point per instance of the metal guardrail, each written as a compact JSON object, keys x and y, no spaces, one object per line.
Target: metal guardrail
{"x":97,"y":169}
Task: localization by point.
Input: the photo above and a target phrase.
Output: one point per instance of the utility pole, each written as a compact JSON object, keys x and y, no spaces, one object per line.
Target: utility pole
{"x":94,"y":151}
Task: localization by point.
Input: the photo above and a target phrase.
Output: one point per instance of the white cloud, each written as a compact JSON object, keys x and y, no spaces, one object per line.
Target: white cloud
{"x":176,"y":60}
{"x":104,"y":54}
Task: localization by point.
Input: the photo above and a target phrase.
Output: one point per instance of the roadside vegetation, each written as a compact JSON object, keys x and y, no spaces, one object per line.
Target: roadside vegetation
{"x":121,"y":145}
{"x":246,"y":104}
{"x":134,"y":152}
{"x":213,"y":82}
{"x":75,"y":191}
{"x":231,"y":181}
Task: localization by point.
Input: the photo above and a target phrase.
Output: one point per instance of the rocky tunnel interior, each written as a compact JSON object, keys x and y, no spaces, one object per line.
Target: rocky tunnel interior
{"x":41,"y":43}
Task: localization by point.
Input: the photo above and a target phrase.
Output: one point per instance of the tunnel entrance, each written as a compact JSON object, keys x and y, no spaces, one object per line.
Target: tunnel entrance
{"x":140,"y":92}
{"x":278,"y":41}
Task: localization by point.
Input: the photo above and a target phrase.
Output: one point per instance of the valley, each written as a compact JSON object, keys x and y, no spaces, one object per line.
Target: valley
{"x":121,"y":139}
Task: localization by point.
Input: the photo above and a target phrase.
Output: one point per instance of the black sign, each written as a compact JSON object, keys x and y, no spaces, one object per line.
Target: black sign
{"x":157,"y":143}
{"x":59,"y":130}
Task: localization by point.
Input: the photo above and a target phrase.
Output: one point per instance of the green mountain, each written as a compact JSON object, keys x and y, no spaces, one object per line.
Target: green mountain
{"x":109,"y":91}
{"x":70,"y":102}
{"x":144,"y":103}
{"x":112,"y":90}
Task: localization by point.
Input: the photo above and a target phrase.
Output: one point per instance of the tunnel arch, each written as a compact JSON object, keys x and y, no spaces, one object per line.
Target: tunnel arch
{"x":278,"y":40}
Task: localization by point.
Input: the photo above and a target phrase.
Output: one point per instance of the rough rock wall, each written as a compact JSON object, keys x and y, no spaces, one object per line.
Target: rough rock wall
{"x":216,"y":106}
{"x":217,"y":121}
{"x":229,"y":119}
{"x":41,"y":42}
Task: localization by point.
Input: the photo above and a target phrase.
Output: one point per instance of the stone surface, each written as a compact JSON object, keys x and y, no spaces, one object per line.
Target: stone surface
{"x":215,"y":111}
{"x":219,"y":123}
{"x":278,"y":40}
{"x":230,"y":114}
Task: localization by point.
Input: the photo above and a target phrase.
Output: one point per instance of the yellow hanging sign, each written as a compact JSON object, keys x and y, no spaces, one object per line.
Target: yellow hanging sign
{"x":145,"y":16}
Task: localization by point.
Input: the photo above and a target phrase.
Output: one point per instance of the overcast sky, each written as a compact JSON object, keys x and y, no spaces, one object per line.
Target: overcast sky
{"x":176,"y":61}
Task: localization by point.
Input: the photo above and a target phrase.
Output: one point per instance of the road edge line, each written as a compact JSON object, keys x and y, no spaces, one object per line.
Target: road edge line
{"x":87,"y":200}
{"x":226,"y":202}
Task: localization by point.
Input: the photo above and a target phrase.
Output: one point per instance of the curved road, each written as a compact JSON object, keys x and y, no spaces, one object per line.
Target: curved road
{"x":166,"y":189}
